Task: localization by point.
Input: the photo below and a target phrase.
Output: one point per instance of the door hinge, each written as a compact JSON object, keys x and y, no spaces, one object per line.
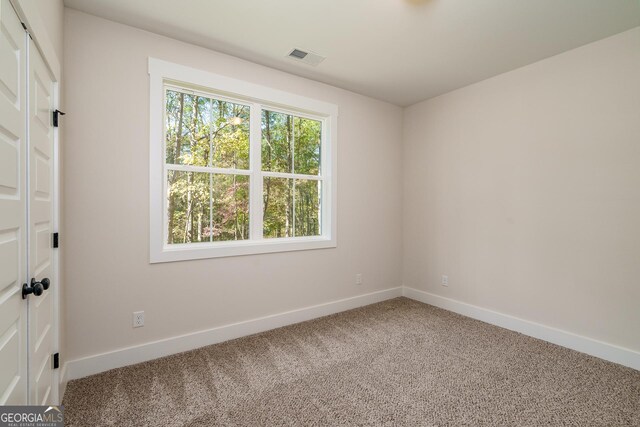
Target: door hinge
{"x":26,"y":30}
{"x":56,"y":114}
{"x":56,"y":360}
{"x":55,"y":240}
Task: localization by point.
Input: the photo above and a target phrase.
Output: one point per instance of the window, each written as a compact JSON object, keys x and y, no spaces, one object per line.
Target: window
{"x":237,"y":168}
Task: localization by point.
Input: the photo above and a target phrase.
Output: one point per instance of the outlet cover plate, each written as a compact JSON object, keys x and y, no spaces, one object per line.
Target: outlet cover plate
{"x":138,"y":319}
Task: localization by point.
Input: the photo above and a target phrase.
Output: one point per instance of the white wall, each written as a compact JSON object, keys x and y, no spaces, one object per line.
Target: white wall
{"x":52,"y":15}
{"x":525,"y":190}
{"x":106,"y":205}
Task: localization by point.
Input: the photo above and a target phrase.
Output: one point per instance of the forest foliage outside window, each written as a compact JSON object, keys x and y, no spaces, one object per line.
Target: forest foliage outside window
{"x":209,"y":174}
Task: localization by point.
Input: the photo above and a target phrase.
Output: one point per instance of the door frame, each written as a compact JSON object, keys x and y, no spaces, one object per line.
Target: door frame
{"x":27,"y":12}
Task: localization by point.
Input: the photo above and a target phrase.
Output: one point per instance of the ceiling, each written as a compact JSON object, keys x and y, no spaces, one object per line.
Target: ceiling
{"x":400,"y":51}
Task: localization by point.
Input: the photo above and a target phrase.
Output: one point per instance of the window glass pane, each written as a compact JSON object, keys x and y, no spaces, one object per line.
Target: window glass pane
{"x":186,"y":123}
{"x":307,"y":138}
{"x":201,"y":131}
{"x":277,"y":139}
{"x":205,"y":207}
{"x":277,"y":207}
{"x":307,"y":207}
{"x":188,"y":207}
{"x":229,"y":135}
{"x":230,"y":207}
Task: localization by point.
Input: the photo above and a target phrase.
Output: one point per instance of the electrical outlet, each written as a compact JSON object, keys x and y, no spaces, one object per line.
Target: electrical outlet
{"x":358,"y":279}
{"x":445,"y":280}
{"x":138,"y":319}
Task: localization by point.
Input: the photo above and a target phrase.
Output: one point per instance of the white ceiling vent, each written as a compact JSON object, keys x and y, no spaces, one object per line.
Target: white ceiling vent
{"x":305,"y":56}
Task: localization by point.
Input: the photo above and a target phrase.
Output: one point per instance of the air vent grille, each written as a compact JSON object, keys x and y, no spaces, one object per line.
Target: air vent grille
{"x":305,"y":56}
{"x":297,"y":53}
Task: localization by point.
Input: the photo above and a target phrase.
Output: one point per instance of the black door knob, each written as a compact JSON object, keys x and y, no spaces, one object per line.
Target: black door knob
{"x":36,"y":288}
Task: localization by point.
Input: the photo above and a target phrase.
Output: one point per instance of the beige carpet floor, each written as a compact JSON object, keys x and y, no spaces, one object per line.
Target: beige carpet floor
{"x":396,"y":363}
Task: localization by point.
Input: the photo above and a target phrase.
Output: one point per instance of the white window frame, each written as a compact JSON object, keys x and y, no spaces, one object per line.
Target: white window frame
{"x":258,"y":97}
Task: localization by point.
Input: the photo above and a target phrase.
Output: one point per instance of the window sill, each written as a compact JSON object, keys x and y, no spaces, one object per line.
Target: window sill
{"x":183,"y":252}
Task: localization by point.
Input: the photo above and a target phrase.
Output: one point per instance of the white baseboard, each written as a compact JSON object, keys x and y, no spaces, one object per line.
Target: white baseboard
{"x":596,"y":348}
{"x":95,"y":364}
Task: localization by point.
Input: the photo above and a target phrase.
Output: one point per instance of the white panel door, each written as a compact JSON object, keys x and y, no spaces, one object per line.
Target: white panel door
{"x":13,"y":216}
{"x":40,"y":183}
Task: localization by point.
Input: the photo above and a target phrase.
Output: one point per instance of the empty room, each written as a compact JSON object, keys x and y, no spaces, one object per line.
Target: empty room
{"x":319,"y":213}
